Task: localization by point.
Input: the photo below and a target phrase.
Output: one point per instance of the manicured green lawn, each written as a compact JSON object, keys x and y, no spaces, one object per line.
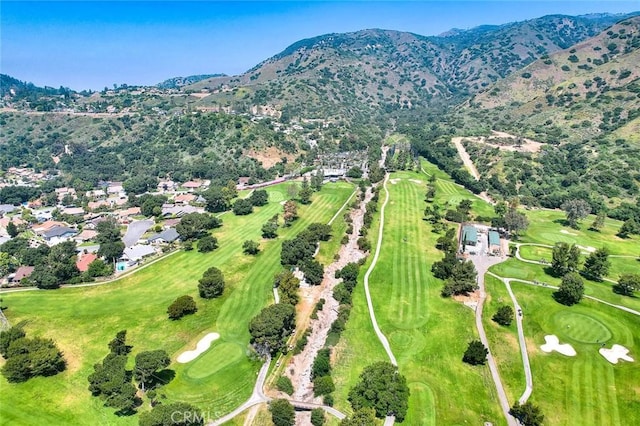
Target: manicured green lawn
{"x":83,"y":320}
{"x":428,"y":334}
{"x":585,"y":389}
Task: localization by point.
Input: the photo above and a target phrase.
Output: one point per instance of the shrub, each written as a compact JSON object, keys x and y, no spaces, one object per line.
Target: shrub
{"x":284,"y":385}
{"x":504,"y":316}
{"x":207,"y":243}
{"x":211,"y":284}
{"x":323,"y":385}
{"x":476,"y":353}
{"x":182,"y":306}
{"x":250,"y":247}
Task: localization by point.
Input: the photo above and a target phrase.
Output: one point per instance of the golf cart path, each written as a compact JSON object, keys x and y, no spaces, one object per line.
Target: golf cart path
{"x":521,"y":339}
{"x":482,"y":267}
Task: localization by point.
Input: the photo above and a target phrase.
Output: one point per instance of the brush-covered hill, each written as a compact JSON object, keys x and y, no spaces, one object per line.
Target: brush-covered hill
{"x":352,"y":74}
{"x":592,"y":88}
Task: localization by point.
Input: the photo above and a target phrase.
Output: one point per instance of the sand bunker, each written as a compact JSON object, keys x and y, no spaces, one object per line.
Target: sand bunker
{"x":202,"y":346}
{"x":416,"y":181}
{"x":564,"y":231}
{"x":552,"y":343}
{"x":394,"y":181}
{"x":283,"y":202}
{"x":587,"y":248}
{"x":616,"y":353}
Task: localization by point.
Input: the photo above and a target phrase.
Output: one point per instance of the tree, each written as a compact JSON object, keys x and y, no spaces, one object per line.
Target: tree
{"x":500,"y":209}
{"x":305,"y":192}
{"x":476,"y":353}
{"x":270,"y":230}
{"x":575,"y":210}
{"x":8,"y":336}
{"x":242,"y":207}
{"x":111,"y":251}
{"x":271,"y":327}
{"x":216,"y":200}
{"x":598,"y":222}
{"x":288,"y":285}
{"x":382,"y":388}
{"x":183,"y":305}
{"x":292,"y":190}
{"x":627,"y":284}
{"x":597,"y":264}
{"x":173,"y":414}
{"x":207,"y":243}
{"x":323,"y":386}
{"x":284,"y":385}
{"x":355,"y":172}
{"x":317,"y":180}
{"x":282,"y":412}
{"x":504,"y":315}
{"x":12,"y":229}
{"x":571,"y":289}
{"x":321,"y":364}
{"x":362,"y":417}
{"x":515,"y":221}
{"x":99,"y":268}
{"x":290,"y":212}
{"x":564,"y":258}
{"x":313,"y":271}
{"x":629,"y":227}
{"x":148,"y":363}
{"x":211,"y":284}
{"x":317,"y":417}
{"x":118,"y":345}
{"x":194,"y":225}
{"x":27,"y":358}
{"x":527,"y":414}
{"x":250,"y":247}
{"x":463,"y":279}
{"x":259,"y":197}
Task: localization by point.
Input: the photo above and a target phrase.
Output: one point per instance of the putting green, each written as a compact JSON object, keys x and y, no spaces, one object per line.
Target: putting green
{"x":581,"y":328}
{"x":558,"y":237}
{"x":214,"y":359}
{"x":276,"y":196}
{"x":422,"y":399}
{"x":407,"y":341}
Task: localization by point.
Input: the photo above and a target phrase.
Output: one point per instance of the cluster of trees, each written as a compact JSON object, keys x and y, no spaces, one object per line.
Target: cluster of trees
{"x":112,"y":382}
{"x":381,"y":388}
{"x":510,"y":218}
{"x":321,"y":376}
{"x":173,"y":414}
{"x":282,"y":412}
{"x":460,"y":276}
{"x":342,"y":292}
{"x":300,"y":250}
{"x":271,"y":328}
{"x":370,"y":209}
{"x":28,"y":357}
{"x":627,"y":284}
{"x":270,"y":228}
{"x":183,"y":305}
{"x":527,"y":414}
{"x":218,"y":197}
{"x":571,"y":289}
{"x":111,"y":246}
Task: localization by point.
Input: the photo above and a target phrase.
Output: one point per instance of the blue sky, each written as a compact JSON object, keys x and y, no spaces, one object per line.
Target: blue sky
{"x":92,"y":44}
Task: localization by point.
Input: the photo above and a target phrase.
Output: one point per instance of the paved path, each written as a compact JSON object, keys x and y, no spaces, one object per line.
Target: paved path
{"x":521,"y":339}
{"x":482,"y":264}
{"x":376,"y":328}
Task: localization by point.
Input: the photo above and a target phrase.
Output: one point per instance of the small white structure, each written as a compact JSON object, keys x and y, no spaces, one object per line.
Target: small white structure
{"x":552,"y":343}
{"x":616,"y":353}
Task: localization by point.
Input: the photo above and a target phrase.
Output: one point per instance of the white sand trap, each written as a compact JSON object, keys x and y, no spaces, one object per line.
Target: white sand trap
{"x":419,"y":182}
{"x":283,"y":202}
{"x":202,"y":346}
{"x":564,"y":231}
{"x":587,"y":248}
{"x":616,"y":353}
{"x":552,"y":343}
{"x":394,"y":181}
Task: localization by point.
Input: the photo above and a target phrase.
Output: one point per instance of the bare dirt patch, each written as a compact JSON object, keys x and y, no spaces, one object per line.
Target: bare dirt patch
{"x":506,"y":142}
{"x":269,"y":157}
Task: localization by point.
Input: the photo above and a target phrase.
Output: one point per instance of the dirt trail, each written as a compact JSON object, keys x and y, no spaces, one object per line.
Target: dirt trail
{"x":299,"y":368}
{"x":464,"y":155}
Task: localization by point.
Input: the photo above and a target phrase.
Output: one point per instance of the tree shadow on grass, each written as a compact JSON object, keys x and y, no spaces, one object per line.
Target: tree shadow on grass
{"x":161,"y":378}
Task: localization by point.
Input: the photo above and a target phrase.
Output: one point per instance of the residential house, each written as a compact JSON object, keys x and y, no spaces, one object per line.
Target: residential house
{"x":58,"y":234}
{"x":22,"y":273}
{"x":84,"y":260}
{"x":6,"y":208}
{"x":125,"y":215}
{"x":184,"y":198}
{"x":192,"y":185}
{"x":94,"y":205}
{"x":46,"y":226}
{"x":73,"y":211}
{"x":85,"y":235}
{"x":137,"y":252}
{"x":167,"y":236}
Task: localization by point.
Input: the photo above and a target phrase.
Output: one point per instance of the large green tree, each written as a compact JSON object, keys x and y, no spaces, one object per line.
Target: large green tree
{"x":527,"y":414}
{"x":571,"y":289}
{"x":211,"y":284}
{"x":147,"y":364}
{"x":173,"y":414}
{"x":476,"y":353}
{"x":382,"y":388}
{"x":271,"y":327}
{"x":575,"y":210}
{"x":627,"y":284}
{"x":597,"y":264}
{"x":282,"y":412}
{"x":564,"y":258}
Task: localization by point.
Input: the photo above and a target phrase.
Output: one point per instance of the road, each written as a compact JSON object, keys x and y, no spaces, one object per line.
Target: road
{"x":482,"y":264}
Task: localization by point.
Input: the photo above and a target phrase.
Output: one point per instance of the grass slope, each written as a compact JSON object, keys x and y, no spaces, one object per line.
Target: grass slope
{"x":428,"y":334}
{"x":83,"y":320}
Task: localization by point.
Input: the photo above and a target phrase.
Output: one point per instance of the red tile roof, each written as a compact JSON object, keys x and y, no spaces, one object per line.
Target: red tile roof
{"x":84,"y":261}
